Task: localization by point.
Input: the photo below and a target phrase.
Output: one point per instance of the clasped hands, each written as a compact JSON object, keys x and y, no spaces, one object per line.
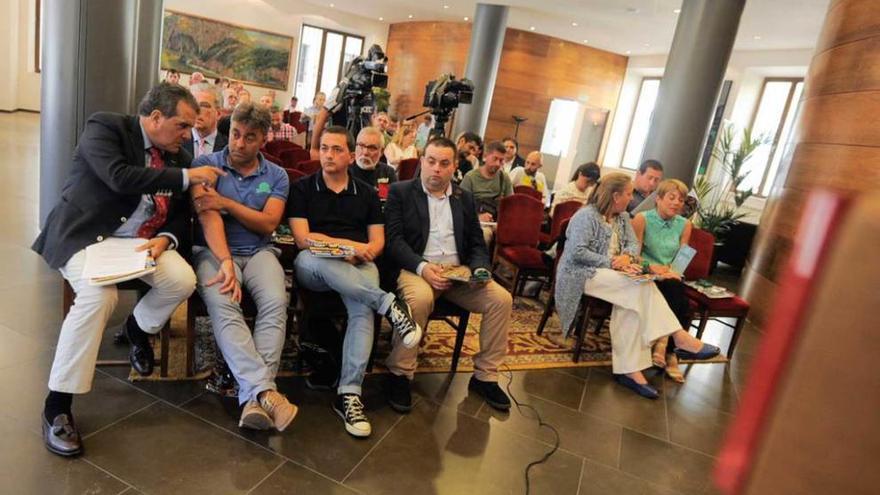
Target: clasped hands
{"x":433,"y":274}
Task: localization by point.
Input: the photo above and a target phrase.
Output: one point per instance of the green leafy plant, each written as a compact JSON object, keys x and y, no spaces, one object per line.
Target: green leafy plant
{"x":719,"y":203}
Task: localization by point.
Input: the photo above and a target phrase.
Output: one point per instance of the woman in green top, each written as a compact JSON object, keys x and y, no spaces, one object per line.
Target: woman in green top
{"x":661,"y":232}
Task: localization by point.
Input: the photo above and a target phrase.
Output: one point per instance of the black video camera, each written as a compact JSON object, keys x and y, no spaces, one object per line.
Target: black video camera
{"x":443,"y":96}
{"x":356,"y":88}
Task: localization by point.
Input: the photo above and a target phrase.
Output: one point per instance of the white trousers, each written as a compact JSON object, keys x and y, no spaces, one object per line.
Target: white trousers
{"x":80,"y":338}
{"x":639,"y":317}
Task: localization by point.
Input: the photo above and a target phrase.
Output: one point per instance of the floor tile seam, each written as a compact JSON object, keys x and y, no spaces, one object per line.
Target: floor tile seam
{"x":666,"y":417}
{"x":674,"y":444}
{"x":322,"y":475}
{"x":581,"y":476}
{"x":639,"y":478}
{"x":584,"y":391}
{"x":279,"y":466}
{"x":119,"y":420}
{"x":372,"y":449}
{"x":106,"y":471}
{"x":561,"y":372}
{"x":191,"y":399}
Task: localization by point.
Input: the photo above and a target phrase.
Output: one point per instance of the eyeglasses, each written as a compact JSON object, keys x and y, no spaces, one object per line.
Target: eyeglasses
{"x":372,"y":148}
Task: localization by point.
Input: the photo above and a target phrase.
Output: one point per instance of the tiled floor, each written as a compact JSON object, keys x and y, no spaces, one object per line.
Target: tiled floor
{"x":175,"y":438}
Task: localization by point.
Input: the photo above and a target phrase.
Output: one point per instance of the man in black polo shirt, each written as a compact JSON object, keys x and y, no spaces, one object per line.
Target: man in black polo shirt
{"x":332,"y":207}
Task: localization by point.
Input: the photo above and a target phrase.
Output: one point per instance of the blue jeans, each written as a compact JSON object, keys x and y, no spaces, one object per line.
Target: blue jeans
{"x":358,"y":286}
{"x":253,"y":360}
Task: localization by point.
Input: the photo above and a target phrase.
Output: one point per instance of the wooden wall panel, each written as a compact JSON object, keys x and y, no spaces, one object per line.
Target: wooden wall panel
{"x":534,"y":69}
{"x":837,"y":144}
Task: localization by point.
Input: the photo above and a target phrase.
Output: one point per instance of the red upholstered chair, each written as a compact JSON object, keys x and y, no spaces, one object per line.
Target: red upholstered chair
{"x":292,"y":157}
{"x":294,"y":175}
{"x":295,"y":120}
{"x":561,"y":213}
{"x":529,"y":191}
{"x":278,"y":147}
{"x":406,"y":170}
{"x":273,"y":158}
{"x":703,"y":307}
{"x":588,"y":308}
{"x":516,"y":242}
{"x":308,"y":167}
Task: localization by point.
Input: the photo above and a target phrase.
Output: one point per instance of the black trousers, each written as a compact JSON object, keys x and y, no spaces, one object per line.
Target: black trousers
{"x":673,"y":292}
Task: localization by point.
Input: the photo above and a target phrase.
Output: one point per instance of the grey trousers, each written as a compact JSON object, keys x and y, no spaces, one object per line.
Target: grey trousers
{"x":253,"y":359}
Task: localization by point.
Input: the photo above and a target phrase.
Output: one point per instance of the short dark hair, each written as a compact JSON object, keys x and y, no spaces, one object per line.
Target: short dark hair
{"x":442,"y":142}
{"x":497,"y":146}
{"x":514,"y":141}
{"x":338,"y":129}
{"x":172,"y":71}
{"x":253,"y":116}
{"x":164,"y":97}
{"x":471,"y":137}
{"x":650,"y":163}
{"x":590,"y":170}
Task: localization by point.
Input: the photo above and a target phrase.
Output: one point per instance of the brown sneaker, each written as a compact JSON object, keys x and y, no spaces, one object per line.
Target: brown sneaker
{"x":254,"y":417}
{"x":279,"y":408}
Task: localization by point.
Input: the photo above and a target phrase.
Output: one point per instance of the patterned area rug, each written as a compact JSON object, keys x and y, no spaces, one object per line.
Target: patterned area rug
{"x":525,"y":350}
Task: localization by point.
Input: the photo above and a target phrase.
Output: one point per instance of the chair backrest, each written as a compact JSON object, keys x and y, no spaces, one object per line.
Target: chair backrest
{"x":561,"y":214}
{"x":406,"y":169}
{"x":528,"y":191}
{"x":292,"y":157}
{"x":294,"y":175}
{"x":704,"y":243}
{"x":278,"y":147}
{"x":273,"y":158}
{"x":309,"y":167}
{"x":519,"y":221}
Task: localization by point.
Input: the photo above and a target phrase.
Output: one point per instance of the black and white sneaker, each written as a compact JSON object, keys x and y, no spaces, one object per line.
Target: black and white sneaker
{"x":350,"y":408}
{"x":401,"y":320}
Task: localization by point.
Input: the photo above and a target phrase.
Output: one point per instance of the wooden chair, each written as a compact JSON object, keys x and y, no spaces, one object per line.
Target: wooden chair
{"x":705,"y":308}
{"x":141,"y":288}
{"x":529,"y":191}
{"x":406,"y":170}
{"x":516,"y":242}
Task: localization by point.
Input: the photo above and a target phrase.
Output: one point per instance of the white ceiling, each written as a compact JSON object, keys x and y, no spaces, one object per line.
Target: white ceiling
{"x":636,"y":27}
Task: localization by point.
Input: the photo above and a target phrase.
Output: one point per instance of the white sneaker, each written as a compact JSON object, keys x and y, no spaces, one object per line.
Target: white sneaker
{"x":401,"y":320}
{"x":350,"y":408}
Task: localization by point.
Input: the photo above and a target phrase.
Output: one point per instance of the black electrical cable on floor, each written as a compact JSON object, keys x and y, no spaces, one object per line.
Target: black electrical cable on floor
{"x":541,"y":424}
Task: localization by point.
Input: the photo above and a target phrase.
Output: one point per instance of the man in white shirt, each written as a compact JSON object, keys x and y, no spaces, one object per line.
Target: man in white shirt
{"x":206,"y":139}
{"x":529,"y":175}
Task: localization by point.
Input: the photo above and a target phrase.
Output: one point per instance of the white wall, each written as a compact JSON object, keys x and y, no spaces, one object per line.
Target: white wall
{"x":286,"y":18}
{"x":19,"y":83}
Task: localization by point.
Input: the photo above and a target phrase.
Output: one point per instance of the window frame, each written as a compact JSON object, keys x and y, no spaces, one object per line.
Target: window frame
{"x":38,"y":34}
{"x":632,"y":119}
{"x":774,"y":144}
{"x":321,"y":53}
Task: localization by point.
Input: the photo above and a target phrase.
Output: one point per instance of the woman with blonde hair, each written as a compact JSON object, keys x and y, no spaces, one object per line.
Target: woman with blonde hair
{"x":600,"y":260}
{"x":402,"y":145}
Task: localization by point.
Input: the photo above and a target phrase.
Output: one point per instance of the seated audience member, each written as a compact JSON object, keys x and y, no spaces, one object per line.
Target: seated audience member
{"x":127,"y":181}
{"x":309,"y":114}
{"x":649,"y":174}
{"x":172,"y":76}
{"x":221,"y":82}
{"x":331,"y":206}
{"x":598,"y":260}
{"x":267,"y":101}
{"x":244,"y":96}
{"x":294,"y":102}
{"x":205,"y":137}
{"x":367,"y":167}
{"x":280,"y":131}
{"x":582,"y":182}
{"x":661,"y":232}
{"x":530,"y":175}
{"x":402,"y":145}
{"x":196,"y":78}
{"x":468,"y":145}
{"x":425,"y":242}
{"x":231,"y":99}
{"x":423,"y":133}
{"x":489,"y":184}
{"x":380,"y":121}
{"x":512,"y":159}
{"x":238,"y":216}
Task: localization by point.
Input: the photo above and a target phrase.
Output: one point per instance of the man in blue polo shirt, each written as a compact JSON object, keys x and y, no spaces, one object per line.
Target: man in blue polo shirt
{"x":238,"y":217}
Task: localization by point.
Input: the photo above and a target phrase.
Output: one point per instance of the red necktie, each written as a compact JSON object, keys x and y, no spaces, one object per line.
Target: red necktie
{"x":160,"y":202}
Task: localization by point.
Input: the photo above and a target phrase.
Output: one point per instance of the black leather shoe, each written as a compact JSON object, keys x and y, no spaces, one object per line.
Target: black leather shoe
{"x":491,"y":393}
{"x":61,"y":437}
{"x":399,"y":396}
{"x":141,"y":352}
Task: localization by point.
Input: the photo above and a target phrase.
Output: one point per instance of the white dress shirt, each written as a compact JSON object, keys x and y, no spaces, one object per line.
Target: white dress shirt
{"x":209,"y":141}
{"x":440,"y":247}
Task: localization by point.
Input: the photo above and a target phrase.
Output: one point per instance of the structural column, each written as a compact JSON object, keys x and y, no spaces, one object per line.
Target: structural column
{"x":98,"y":55}
{"x":484,"y":56}
{"x":701,"y":47}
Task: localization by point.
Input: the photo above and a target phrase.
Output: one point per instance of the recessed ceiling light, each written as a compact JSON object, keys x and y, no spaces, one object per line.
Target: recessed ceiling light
{"x":676,"y":11}
{"x":632,"y":10}
{"x":410,"y":16}
{"x":574,"y":24}
{"x":446,"y":6}
{"x":381,"y":18}
{"x":586,"y":41}
{"x":628,"y":52}
{"x":647,"y":44}
{"x":332,"y":5}
{"x":531,"y":28}
{"x":466,"y":18}
{"x":756,"y":37}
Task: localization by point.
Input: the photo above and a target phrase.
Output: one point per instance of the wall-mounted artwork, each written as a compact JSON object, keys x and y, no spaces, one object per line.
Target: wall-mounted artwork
{"x":218,"y":49}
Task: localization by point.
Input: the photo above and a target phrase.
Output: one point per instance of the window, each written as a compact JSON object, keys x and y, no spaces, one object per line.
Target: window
{"x":322,"y":57}
{"x":641,"y":122}
{"x":773,"y":119}
{"x":38,"y":37}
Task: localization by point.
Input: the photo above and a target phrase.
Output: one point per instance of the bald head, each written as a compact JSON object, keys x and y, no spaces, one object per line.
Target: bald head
{"x":533,"y":162}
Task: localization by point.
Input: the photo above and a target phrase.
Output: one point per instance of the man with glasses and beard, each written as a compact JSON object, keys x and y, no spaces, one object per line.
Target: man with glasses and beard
{"x":367,"y":167}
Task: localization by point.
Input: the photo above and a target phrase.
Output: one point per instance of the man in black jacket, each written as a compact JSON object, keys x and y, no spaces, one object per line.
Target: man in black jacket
{"x":433,"y":234}
{"x":206,"y":138}
{"x":127,"y":180}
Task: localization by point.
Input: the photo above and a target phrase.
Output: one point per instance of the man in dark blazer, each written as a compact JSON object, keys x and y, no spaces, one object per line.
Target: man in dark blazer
{"x":434,"y":237}
{"x":128,"y":180}
{"x":206,"y":139}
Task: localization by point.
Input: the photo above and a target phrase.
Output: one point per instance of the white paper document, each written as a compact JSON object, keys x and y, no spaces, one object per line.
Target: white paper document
{"x":115,"y":257}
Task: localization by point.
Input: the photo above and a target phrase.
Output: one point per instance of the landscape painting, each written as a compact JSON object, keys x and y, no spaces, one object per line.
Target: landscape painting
{"x":218,"y":49}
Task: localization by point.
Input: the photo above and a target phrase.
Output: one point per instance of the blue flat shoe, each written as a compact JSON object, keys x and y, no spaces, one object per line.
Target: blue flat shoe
{"x":645,"y":390}
{"x":708,"y":351}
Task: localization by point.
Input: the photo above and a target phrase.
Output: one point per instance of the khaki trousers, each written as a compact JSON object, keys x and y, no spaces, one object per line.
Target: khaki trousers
{"x":490,"y":300}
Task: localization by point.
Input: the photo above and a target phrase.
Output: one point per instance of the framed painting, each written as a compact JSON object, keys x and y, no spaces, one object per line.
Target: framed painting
{"x":219,"y":49}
